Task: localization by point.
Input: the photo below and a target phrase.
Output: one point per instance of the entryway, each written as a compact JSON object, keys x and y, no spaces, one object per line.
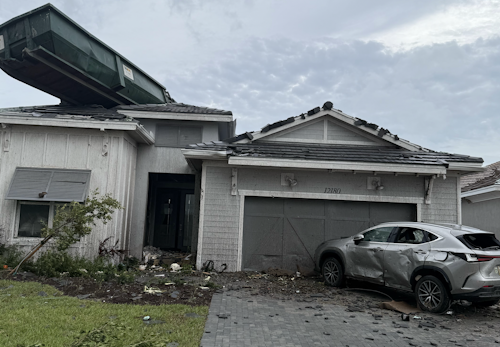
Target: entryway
{"x":171,"y":210}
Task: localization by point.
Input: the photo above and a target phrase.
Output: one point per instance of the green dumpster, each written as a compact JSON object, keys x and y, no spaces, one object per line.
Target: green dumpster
{"x":47,"y":50}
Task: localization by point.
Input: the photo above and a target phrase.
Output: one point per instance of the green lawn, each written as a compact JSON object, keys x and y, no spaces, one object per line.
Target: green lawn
{"x":27,"y":318}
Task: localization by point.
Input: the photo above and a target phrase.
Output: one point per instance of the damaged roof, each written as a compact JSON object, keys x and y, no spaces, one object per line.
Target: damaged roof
{"x":91,"y":112}
{"x":372,"y":128}
{"x":98,"y":112}
{"x":352,"y":153}
{"x":173,"y":108}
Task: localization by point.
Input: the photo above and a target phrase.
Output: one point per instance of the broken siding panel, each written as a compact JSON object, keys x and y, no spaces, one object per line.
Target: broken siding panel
{"x":220,"y":237}
{"x":443,"y":207}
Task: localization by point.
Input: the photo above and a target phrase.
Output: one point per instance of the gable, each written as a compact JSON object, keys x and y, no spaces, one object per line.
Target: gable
{"x":326,"y":130}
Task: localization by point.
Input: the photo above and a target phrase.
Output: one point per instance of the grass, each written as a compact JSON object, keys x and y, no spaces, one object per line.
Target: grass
{"x":30,"y":318}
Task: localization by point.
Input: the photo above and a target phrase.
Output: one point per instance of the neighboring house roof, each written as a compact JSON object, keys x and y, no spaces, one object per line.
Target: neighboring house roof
{"x":173,"y":108}
{"x":492,"y":179}
{"x":489,"y":171}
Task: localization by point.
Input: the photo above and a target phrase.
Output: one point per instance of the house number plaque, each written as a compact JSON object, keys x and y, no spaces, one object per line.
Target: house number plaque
{"x":332,"y":190}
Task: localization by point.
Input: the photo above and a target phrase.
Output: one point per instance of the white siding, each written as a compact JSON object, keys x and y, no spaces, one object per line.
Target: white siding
{"x":110,"y":155}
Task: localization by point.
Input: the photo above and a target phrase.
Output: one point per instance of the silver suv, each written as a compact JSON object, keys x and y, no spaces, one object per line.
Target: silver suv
{"x":438,"y":262}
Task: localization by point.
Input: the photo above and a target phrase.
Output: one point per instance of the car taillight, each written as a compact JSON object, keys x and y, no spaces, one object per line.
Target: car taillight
{"x":475,"y":258}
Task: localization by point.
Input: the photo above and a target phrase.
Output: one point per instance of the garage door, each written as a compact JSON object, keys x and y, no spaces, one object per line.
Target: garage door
{"x":284,"y":233}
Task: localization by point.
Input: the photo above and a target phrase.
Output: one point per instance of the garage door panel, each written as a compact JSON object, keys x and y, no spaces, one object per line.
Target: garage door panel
{"x":351,"y":210}
{"x":284,"y":233}
{"x":304,"y":208}
{"x":297,"y":262}
{"x":257,"y":206}
{"x":344,"y":228}
{"x":302,"y":236}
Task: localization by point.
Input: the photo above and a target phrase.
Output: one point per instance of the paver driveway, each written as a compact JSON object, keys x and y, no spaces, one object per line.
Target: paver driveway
{"x":246,"y":320}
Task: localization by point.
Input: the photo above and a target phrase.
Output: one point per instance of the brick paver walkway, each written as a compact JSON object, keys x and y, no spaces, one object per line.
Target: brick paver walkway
{"x":241,"y":320}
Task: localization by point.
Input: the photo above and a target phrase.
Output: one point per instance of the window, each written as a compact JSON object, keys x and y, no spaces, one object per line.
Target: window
{"x":33,"y":216}
{"x":177,"y":135}
{"x":410,"y":235}
{"x":378,"y":235}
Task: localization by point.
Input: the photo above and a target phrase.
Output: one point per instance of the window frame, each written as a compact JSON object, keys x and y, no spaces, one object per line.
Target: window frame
{"x":52,"y":210}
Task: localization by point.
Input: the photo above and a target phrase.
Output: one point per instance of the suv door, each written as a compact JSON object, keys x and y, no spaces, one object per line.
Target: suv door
{"x":408,"y":250}
{"x":365,"y":259}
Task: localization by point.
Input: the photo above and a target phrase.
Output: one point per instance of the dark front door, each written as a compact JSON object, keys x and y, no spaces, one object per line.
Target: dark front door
{"x":171,"y":212}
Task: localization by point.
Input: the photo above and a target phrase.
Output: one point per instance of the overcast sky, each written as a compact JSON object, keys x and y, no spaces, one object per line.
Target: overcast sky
{"x":429,"y":71}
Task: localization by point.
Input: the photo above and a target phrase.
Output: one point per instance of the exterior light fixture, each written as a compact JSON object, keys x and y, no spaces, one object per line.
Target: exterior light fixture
{"x":292,"y":182}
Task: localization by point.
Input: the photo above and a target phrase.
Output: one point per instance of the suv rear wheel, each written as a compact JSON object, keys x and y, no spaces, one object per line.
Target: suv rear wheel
{"x":431,"y":294}
{"x":332,"y":272}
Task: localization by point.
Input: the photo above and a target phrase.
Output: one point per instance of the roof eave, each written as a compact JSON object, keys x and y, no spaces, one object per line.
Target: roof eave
{"x":197,"y":154}
{"x":137,"y":131}
{"x":339,"y":165}
{"x":177,"y":116}
{"x":482,"y":194}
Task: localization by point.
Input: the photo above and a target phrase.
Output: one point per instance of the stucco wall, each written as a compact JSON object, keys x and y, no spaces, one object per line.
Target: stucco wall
{"x":484,"y":215}
{"x":220,"y":210}
{"x":110,"y":155}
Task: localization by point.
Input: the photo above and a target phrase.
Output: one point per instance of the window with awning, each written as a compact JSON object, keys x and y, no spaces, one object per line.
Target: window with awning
{"x":37,"y":184}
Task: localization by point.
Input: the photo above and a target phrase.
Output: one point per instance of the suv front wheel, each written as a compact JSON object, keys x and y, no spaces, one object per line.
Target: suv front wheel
{"x":332,"y":272}
{"x":431,"y":294}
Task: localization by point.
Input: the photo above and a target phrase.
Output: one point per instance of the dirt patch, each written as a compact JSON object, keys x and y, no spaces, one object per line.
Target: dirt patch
{"x":197,"y":288}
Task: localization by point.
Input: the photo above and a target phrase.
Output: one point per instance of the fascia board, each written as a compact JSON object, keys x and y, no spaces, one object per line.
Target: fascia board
{"x":469,"y":167}
{"x":481,"y":191}
{"x":336,"y":165}
{"x":141,"y":134}
{"x":341,"y":117}
{"x":197,"y":154}
{"x":177,"y":116}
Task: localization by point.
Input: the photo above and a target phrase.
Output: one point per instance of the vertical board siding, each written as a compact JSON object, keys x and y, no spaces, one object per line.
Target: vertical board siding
{"x":112,"y":172}
{"x":221,"y":219}
{"x":482,"y":215}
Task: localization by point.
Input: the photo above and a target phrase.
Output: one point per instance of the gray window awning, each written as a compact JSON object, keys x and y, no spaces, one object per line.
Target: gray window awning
{"x":62,"y":185}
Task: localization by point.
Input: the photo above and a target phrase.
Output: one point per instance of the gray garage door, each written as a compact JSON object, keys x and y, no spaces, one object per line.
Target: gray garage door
{"x":284,"y":233}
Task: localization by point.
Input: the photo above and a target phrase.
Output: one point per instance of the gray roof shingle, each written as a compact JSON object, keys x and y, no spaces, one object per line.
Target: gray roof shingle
{"x":173,"y":108}
{"x":371,"y":154}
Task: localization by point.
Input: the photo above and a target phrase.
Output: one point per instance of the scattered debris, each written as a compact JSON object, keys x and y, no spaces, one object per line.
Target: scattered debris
{"x":152,"y":290}
{"x":175,"y":267}
{"x":399,"y":306}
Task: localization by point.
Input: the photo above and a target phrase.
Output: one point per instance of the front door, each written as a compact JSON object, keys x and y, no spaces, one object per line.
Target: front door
{"x":408,"y":251}
{"x":365,"y":260}
{"x":172,"y":218}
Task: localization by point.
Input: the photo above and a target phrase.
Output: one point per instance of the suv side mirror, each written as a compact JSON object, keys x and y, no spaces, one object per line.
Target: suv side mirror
{"x":358,"y":238}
